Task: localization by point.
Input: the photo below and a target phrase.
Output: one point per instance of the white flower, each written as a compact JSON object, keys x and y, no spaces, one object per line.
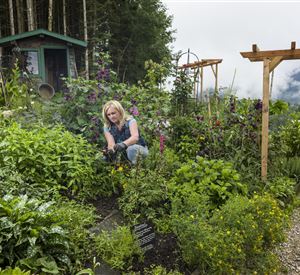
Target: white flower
{"x":7,"y":113}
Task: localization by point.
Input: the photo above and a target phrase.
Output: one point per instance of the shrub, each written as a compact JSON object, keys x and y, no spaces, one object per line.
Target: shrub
{"x":215,"y":178}
{"x":144,"y":196}
{"x":31,"y":237}
{"x":14,"y":271}
{"x":291,"y":135}
{"x":237,"y":239}
{"x":77,"y":218}
{"x":118,"y":248}
{"x":164,"y":163}
{"x":159,"y":270}
{"x":48,"y":157}
{"x":283,"y":189}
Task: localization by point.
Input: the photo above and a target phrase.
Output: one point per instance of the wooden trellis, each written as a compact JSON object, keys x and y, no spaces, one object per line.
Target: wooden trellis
{"x":271,"y":60}
{"x":198,"y":72}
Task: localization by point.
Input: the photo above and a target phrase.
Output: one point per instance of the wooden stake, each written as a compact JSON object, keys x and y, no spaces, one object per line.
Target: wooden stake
{"x":201,"y":85}
{"x":265,"y":120}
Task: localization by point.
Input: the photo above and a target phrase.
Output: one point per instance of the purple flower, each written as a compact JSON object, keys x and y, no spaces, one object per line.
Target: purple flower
{"x":92,"y":97}
{"x":258,"y":105}
{"x":133,"y":102}
{"x":134,"y":111}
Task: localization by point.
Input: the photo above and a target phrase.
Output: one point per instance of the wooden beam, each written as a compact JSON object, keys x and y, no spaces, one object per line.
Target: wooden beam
{"x":202,"y":63}
{"x":293,"y":45}
{"x":265,"y":120}
{"x":261,"y":55}
{"x":275,"y":62}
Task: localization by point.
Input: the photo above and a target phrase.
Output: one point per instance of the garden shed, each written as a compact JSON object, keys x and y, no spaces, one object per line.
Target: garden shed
{"x":42,"y":54}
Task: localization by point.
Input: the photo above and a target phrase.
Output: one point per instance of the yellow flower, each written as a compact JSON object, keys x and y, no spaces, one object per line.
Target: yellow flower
{"x":120,"y":168}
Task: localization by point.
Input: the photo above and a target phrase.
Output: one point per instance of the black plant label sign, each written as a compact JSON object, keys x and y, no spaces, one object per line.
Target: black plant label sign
{"x":145,"y":236}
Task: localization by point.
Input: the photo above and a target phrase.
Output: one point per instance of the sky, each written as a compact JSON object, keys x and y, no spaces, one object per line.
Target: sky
{"x":223,"y":29}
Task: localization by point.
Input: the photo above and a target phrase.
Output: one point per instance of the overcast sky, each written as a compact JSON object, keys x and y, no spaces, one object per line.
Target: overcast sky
{"x":223,"y":29}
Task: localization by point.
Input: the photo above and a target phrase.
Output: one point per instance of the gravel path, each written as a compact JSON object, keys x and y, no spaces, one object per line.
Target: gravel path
{"x":289,"y":252}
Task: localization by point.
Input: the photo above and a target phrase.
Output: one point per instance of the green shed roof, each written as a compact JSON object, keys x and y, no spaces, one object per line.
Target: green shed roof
{"x":37,"y":32}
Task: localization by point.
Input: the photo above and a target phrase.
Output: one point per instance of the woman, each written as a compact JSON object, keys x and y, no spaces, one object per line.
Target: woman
{"x":121,"y":132}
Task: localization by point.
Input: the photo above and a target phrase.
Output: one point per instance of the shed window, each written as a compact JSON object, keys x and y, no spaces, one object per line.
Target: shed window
{"x":30,"y":62}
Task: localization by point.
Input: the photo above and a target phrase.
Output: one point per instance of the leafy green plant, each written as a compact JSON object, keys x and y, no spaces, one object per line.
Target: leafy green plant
{"x":14,"y":271}
{"x":144,"y":196}
{"x":282,"y":188}
{"x":291,"y":135}
{"x":15,"y":94}
{"x":237,"y":239}
{"x":118,"y":247}
{"x":182,"y":91}
{"x":164,"y":163}
{"x":78,"y":218}
{"x":31,"y":237}
{"x":159,"y":270}
{"x":50,"y":157}
{"x":215,"y":178}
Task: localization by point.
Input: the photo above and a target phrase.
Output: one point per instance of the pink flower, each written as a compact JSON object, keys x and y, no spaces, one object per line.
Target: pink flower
{"x":162,"y":139}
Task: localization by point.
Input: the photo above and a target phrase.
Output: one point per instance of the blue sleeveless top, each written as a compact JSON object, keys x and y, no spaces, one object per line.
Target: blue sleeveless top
{"x":124,"y":133}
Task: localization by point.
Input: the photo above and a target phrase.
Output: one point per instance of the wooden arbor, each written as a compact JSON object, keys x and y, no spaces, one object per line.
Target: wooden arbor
{"x":198,"y":72}
{"x":270,"y":60}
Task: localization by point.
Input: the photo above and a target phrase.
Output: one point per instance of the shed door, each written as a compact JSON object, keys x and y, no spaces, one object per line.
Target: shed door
{"x":55,"y":67}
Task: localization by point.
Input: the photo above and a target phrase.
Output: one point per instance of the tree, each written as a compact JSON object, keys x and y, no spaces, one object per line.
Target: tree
{"x":20,"y":17}
{"x":50,"y":15}
{"x":30,"y":17}
{"x":140,"y":30}
{"x":11,"y":17}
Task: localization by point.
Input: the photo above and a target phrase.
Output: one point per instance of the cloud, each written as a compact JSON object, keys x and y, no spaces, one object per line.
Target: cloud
{"x":223,"y":30}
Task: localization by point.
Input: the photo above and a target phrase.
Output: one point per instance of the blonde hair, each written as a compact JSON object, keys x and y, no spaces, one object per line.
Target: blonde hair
{"x":117,"y":105}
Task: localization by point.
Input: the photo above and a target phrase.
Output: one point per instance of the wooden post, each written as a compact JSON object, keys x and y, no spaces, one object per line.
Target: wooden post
{"x":201,"y":84}
{"x":265,"y":120}
{"x":271,"y":60}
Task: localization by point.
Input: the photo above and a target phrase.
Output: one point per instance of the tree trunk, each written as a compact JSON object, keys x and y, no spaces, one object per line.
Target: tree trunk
{"x":85,"y":39}
{"x":20,"y":17}
{"x":64,"y":18}
{"x":11,"y":17}
{"x":30,"y":15}
{"x":50,"y":15}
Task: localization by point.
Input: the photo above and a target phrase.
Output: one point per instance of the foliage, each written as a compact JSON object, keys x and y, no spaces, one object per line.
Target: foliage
{"x":77,"y":218}
{"x":117,"y":248}
{"x":159,"y":270}
{"x":50,"y":157}
{"x":144,"y":196}
{"x":132,"y":41}
{"x":237,"y":239}
{"x":164,"y":163}
{"x":31,"y":237}
{"x":215,"y":178}
{"x":283,"y":189}
{"x":278,"y":107}
{"x":15,"y":93}
{"x":291,"y":135}
{"x":181,"y":92}
{"x":14,"y":183}
{"x":149,"y":103}
{"x":14,"y":271}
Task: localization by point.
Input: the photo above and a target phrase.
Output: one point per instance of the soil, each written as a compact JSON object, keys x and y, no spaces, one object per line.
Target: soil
{"x":165,"y":253}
